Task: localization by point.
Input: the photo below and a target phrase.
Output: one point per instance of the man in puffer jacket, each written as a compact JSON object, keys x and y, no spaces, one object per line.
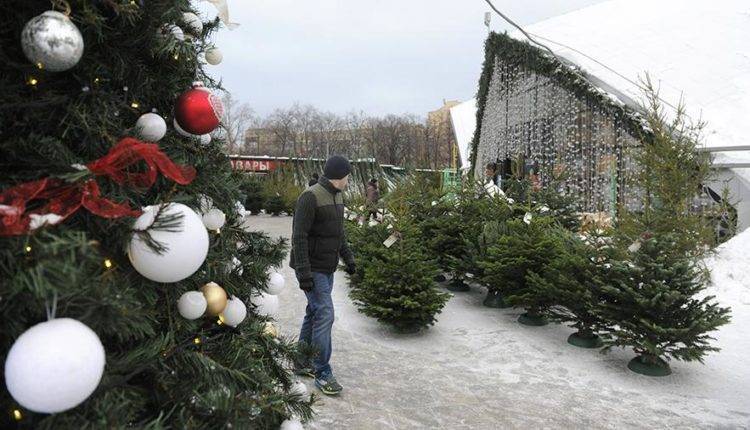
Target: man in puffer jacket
{"x":318,"y":241}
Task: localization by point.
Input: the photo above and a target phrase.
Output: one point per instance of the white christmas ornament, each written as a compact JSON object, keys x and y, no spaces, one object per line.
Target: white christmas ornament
{"x":151,"y":127}
{"x":298,"y":388}
{"x":54,"y":366}
{"x":266,"y":304}
{"x":275,"y":283}
{"x":235,"y":312}
{"x":181,"y":131}
{"x":214,"y":219}
{"x":174,"y":30}
{"x":291,"y":424}
{"x":192,"y":305}
{"x":193,"y":23}
{"x":52,"y":41}
{"x":205,"y":139}
{"x":240,"y":208}
{"x":214,"y":56}
{"x":186,"y":245}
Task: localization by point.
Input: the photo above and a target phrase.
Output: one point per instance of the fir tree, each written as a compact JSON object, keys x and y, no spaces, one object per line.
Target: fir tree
{"x":573,"y":280}
{"x":398,"y":287}
{"x":527,"y":248}
{"x":652,"y":306}
{"x":162,"y":370}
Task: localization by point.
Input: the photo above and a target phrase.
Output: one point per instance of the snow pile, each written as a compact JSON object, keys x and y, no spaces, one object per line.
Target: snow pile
{"x":730,"y":281}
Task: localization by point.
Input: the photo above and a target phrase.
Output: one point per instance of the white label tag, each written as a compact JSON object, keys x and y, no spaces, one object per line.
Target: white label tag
{"x":391,"y":240}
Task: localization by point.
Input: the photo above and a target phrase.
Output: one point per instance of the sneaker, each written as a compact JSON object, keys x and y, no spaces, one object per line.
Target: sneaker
{"x":303,"y":370}
{"x":328,"y":385}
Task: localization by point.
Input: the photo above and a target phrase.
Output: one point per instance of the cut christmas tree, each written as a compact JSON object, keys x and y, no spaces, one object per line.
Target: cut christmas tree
{"x":527,"y":248}
{"x":127,"y":281}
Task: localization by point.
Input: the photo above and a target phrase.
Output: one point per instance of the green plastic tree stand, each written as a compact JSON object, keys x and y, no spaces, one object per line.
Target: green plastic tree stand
{"x":495,"y":300}
{"x":458,"y":285}
{"x":532,"y":320}
{"x":585,"y":340}
{"x":439,"y":278}
{"x":649,"y":366}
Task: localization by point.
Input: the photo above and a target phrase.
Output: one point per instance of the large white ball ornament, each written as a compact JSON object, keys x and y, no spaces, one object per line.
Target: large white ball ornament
{"x":291,"y":424}
{"x":275,"y":283}
{"x":234,"y":313}
{"x":54,"y":366}
{"x":298,"y":388}
{"x":186,"y":245}
{"x":52,"y":41}
{"x":214,"y":56}
{"x":214,"y":219}
{"x":151,"y":127}
{"x":266,"y":304}
{"x":205,"y":139}
{"x":193,"y":23}
{"x":192,"y":305}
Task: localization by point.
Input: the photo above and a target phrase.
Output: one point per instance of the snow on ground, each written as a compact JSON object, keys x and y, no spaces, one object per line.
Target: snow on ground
{"x":479,"y":369}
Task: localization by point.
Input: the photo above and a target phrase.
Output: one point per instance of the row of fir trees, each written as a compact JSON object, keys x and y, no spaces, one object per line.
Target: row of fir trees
{"x":635,"y":283}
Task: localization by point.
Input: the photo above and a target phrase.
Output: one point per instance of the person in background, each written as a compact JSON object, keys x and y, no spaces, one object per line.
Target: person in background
{"x":318,"y":241}
{"x":313,"y":180}
{"x":372,"y":196}
{"x":491,"y":174}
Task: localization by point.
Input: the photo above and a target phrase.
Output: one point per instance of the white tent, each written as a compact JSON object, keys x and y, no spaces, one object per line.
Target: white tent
{"x":464,"y":121}
{"x":696,"y":51}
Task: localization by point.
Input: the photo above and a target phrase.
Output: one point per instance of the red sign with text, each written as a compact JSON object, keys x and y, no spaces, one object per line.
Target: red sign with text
{"x":254,"y":165}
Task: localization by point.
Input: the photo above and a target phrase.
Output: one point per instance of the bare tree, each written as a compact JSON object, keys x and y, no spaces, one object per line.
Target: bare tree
{"x":238,"y":117}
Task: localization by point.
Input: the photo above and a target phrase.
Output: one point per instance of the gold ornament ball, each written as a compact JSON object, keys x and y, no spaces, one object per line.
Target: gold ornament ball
{"x":216,"y":298}
{"x":270,"y":330}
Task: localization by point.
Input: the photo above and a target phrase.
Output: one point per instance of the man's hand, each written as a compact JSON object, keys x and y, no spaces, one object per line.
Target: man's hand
{"x":351,"y":269}
{"x":306,"y":284}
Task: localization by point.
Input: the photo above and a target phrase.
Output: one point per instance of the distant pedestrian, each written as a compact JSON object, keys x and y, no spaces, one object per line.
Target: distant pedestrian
{"x":371,"y":198}
{"x":313,"y":180}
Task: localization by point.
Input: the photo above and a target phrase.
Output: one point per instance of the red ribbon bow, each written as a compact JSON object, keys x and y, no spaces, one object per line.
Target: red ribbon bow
{"x":64,"y":198}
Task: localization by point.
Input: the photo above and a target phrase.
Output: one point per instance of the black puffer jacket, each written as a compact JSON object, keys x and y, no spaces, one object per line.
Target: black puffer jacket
{"x":318,"y":238}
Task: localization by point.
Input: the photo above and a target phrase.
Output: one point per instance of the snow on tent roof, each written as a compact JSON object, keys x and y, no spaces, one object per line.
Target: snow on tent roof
{"x":464,"y":120}
{"x":696,"y":49}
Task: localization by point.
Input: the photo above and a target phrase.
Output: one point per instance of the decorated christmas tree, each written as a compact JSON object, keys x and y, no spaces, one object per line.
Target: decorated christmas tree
{"x":131,"y":298}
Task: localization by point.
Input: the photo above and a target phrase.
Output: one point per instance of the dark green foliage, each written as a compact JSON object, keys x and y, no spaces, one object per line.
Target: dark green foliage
{"x":367,"y":243}
{"x":651,"y":304}
{"x":525,"y":249}
{"x":274,"y":204}
{"x":398,"y":288}
{"x":574,"y":278}
{"x":252,"y":188}
{"x":155,"y":376}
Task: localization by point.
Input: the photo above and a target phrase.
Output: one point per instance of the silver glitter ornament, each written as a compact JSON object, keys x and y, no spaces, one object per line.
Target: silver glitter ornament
{"x":52,"y":41}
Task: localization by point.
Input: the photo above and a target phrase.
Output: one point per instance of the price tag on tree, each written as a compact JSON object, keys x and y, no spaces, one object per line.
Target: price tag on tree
{"x":391,"y":239}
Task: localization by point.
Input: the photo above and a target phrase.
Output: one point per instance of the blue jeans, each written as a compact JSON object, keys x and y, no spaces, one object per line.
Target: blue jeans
{"x":316,"y":327}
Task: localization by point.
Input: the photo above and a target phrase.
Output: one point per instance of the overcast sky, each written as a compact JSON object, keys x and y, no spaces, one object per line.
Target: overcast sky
{"x":377,"y":56}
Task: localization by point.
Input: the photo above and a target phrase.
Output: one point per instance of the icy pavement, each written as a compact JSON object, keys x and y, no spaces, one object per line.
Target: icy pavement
{"x":479,"y":369}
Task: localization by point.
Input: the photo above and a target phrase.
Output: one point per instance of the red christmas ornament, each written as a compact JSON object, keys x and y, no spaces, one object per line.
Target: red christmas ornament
{"x":198,"y":111}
